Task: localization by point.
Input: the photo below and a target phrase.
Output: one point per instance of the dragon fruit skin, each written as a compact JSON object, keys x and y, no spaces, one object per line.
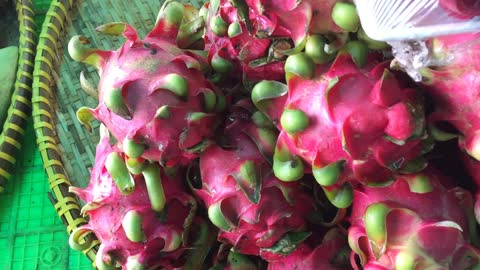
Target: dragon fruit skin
{"x":131,"y":232}
{"x":473,"y":168}
{"x":275,"y":18}
{"x":240,"y":47}
{"x":462,"y":9}
{"x":455,"y":88}
{"x":399,"y":226}
{"x":153,"y":96}
{"x":305,"y":258}
{"x":323,"y":255}
{"x":254,"y":36}
{"x":256,"y":212}
{"x":348,"y":124}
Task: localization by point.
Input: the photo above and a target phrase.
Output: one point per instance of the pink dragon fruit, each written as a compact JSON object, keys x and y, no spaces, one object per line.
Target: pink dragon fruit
{"x":142,"y":220}
{"x":348,"y":124}
{"x":415,"y":223}
{"x":250,"y":39}
{"x":153,"y":96}
{"x":325,"y":24}
{"x":454,"y":87}
{"x":257,"y":213}
{"x":234,"y":51}
{"x":463,"y":9}
{"x":294,"y":19}
{"x":325,"y":255}
{"x":473,"y":168}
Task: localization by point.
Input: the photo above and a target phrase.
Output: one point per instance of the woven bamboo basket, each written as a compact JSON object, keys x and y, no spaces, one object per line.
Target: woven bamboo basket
{"x":23,"y":35}
{"x":67,"y":148}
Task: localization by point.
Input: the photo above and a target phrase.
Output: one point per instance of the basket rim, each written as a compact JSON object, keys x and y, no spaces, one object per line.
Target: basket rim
{"x":65,"y":203}
{"x":11,"y":137}
{"x":47,"y":65}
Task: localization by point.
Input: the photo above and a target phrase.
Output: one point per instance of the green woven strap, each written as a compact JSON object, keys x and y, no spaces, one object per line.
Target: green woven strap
{"x":43,"y":99}
{"x":20,"y":107}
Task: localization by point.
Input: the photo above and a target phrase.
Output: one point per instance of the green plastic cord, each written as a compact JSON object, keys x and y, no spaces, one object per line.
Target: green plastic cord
{"x":20,"y":107}
{"x":46,"y":60}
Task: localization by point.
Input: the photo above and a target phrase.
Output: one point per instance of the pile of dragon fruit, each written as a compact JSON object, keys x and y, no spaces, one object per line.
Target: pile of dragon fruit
{"x":268,"y":134}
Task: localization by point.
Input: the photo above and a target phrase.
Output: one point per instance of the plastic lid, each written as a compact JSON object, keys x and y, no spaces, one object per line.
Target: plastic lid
{"x":394,"y":20}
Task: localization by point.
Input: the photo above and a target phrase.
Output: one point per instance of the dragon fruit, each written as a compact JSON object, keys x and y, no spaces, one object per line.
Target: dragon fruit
{"x":234,"y":51}
{"x":250,"y":39}
{"x":142,"y":220}
{"x":304,"y":22}
{"x":325,"y":107}
{"x":399,"y":226}
{"x":348,"y":124}
{"x":153,"y":96}
{"x":325,"y":255}
{"x":274,"y":18}
{"x":455,"y":88}
{"x":463,"y":9}
{"x":256,"y":213}
{"x":473,"y":168}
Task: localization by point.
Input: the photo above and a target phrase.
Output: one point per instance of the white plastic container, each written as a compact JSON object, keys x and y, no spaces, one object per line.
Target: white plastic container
{"x":395,"y":20}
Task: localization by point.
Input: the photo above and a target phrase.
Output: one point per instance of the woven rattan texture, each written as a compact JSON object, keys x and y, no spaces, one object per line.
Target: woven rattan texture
{"x":20,"y":107}
{"x":66,"y":147}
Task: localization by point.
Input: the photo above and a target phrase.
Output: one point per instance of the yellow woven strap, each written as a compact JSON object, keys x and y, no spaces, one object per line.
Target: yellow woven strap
{"x":51,"y":162}
{"x":50,"y":51}
{"x":37,"y":125}
{"x":13,"y":142}
{"x":62,"y":7}
{"x":44,"y":74}
{"x":75,"y":223}
{"x":23,"y":99}
{"x":47,"y":145}
{"x":59,"y":181}
{"x":92,"y":245}
{"x":41,"y":59}
{"x":63,"y":201}
{"x":24,"y":86}
{"x":45,"y":139}
{"x":29,"y":9}
{"x":45,"y":35}
{"x":5,"y":174}
{"x":6,"y":156}
{"x":65,"y":204}
{"x":42,"y":111}
{"x":50,"y":24}
{"x":20,"y":113}
{"x":16,"y":127}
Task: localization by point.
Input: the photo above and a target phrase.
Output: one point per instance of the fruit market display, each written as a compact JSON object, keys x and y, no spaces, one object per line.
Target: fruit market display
{"x":268,"y":134}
